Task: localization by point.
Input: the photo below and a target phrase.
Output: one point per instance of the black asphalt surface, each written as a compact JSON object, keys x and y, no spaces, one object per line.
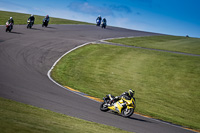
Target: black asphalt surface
{"x":26,"y":55}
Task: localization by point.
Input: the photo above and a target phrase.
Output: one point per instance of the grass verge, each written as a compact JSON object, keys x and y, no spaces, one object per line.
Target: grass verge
{"x":166,"y":84}
{"x":21,"y":18}
{"x":21,"y":118}
{"x":171,"y":43}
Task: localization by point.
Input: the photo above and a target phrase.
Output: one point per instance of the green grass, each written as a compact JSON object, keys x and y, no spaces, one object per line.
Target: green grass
{"x":166,"y":84}
{"x":172,"y":43}
{"x":21,"y":18}
{"x":21,"y":118}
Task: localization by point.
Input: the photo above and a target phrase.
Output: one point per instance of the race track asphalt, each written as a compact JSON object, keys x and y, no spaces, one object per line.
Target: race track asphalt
{"x":26,"y":55}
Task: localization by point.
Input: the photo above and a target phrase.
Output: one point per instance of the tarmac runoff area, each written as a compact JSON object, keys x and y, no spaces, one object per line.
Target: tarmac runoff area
{"x":27,"y":55}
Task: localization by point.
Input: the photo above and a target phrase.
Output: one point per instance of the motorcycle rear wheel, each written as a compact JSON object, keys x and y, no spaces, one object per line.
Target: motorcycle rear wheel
{"x":127,"y":112}
{"x":7,"y":29}
{"x":103,"y":107}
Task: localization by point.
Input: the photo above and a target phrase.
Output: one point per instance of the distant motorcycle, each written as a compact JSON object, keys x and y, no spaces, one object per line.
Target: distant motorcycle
{"x":8,"y":27}
{"x":45,"y":23}
{"x":29,"y":24}
{"x":103,"y":25}
{"x":98,"y":22}
{"x":122,"y":106}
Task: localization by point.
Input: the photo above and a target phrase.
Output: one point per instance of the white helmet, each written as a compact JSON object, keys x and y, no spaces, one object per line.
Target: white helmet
{"x":11,"y":18}
{"x":31,"y":15}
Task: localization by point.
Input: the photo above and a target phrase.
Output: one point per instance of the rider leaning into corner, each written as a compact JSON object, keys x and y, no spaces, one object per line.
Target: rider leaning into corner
{"x":46,"y":18}
{"x":11,"y":21}
{"x":104,"y":20}
{"x":127,"y":95}
{"x":99,"y":18}
{"x":32,"y":18}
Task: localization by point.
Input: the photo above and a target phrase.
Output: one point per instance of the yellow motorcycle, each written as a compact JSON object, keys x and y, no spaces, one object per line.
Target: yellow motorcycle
{"x":123,"y":106}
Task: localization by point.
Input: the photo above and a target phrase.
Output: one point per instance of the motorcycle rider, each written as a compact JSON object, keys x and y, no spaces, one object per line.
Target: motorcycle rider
{"x":11,"y":21}
{"x":99,"y":20}
{"x":104,"y":23}
{"x":47,"y":19}
{"x":127,"y":95}
{"x":104,"y":20}
{"x":32,"y":18}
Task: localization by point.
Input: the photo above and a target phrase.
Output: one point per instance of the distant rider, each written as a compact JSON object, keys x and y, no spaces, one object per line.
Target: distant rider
{"x":104,"y":23}
{"x":127,"y":95}
{"x":98,"y":20}
{"x":47,"y":19}
{"x":32,"y":18}
{"x":11,"y":22}
{"x":104,"y":20}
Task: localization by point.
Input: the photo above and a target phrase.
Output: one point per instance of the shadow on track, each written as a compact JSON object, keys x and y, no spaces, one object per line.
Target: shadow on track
{"x":15,"y":32}
{"x":51,"y":27}
{"x":107,"y":28}
{"x":36,"y":29}
{"x":137,"y":119}
{"x":131,"y":118}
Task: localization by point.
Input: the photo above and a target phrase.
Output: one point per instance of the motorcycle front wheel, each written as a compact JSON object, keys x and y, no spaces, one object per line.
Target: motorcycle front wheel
{"x":103,"y":107}
{"x":127,"y":112}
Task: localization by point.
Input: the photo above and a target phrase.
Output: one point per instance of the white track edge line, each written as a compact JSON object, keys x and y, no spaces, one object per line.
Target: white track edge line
{"x":49,"y":72}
